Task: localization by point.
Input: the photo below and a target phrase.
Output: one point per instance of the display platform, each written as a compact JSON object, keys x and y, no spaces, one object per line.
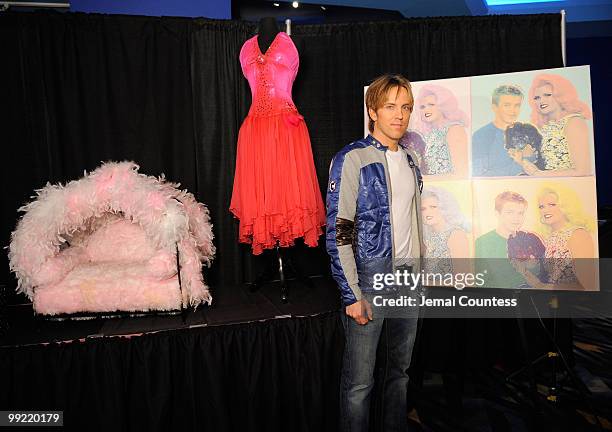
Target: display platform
{"x":248,"y":362}
{"x":234,"y":305}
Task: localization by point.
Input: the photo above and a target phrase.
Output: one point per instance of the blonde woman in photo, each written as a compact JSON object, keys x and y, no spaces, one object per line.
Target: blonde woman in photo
{"x":568,"y":239}
{"x":561,"y":118}
{"x":441,"y":124}
{"x":445,"y":230}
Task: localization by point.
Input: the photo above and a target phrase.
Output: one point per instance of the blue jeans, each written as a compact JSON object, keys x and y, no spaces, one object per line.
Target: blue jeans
{"x":357,"y":379}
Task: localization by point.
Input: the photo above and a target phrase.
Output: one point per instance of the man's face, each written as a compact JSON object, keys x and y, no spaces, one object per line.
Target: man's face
{"x":508,"y":109}
{"x":512,"y":216}
{"x":391,"y":119}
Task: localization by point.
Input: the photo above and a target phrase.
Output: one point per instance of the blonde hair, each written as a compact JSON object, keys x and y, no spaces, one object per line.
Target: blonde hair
{"x":377,"y":93}
{"x":570,"y":205}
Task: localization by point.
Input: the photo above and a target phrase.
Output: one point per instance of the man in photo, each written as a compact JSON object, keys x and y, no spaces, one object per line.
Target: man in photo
{"x":373,"y":220}
{"x":489,"y":155}
{"x":494,"y":248}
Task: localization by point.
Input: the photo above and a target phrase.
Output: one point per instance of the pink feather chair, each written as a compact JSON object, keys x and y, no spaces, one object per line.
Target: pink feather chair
{"x":113,"y":241}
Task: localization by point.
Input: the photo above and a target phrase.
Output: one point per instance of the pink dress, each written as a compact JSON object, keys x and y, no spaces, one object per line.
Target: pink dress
{"x":276,"y":194}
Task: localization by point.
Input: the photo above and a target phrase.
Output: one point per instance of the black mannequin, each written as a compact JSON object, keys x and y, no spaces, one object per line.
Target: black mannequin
{"x":267,"y":31}
{"x":280,"y":266}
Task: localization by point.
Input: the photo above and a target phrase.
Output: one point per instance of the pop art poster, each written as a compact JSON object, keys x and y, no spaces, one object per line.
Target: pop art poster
{"x":549,"y":224}
{"x":537,"y":123}
{"x":439,"y":130}
{"x":446,"y":213}
{"x":527,"y":158}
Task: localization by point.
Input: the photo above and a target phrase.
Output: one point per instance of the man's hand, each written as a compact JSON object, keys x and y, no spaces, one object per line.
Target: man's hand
{"x":360,"y":311}
{"x":522,"y":266}
{"x":516,"y":154}
{"x":528,"y":151}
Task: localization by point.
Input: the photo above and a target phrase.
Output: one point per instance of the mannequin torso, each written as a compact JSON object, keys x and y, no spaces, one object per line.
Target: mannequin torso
{"x":268,"y":29}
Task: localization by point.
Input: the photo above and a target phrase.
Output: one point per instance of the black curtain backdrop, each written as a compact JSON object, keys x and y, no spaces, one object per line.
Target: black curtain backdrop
{"x":79,"y":89}
{"x":168,"y":93}
{"x":276,"y":375}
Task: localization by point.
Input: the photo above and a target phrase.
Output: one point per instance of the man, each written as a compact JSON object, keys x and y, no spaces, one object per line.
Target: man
{"x":489,"y":156}
{"x":373,"y":218}
{"x":492,"y":247}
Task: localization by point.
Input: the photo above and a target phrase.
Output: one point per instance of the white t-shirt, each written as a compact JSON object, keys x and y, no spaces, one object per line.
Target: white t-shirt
{"x":402,"y":194}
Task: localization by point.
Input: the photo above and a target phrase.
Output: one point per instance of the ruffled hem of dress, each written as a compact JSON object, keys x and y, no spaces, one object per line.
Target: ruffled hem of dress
{"x":284,"y":229}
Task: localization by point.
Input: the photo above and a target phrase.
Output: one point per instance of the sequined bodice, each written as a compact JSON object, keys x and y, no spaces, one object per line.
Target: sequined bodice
{"x":438,"y":258}
{"x":555,"y":149}
{"x":270,"y":74}
{"x":559,"y":261}
{"x":437,"y":154}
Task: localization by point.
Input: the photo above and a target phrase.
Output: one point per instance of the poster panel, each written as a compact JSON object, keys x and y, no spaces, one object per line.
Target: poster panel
{"x":509,"y":173}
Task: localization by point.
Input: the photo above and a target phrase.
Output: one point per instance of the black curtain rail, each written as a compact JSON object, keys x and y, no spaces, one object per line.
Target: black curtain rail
{"x":5,"y":5}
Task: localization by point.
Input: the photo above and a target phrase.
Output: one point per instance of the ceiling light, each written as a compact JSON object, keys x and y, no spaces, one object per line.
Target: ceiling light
{"x":323,"y":8}
{"x":295,"y":4}
{"x":514,"y":2}
{"x":276,"y":4}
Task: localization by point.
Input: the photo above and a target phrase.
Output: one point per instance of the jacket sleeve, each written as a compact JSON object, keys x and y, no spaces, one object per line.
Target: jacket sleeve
{"x":342,"y":193}
{"x":417,"y":170}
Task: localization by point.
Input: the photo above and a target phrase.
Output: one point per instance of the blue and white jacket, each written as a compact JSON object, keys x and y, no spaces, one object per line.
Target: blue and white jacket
{"x":359,"y":219}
